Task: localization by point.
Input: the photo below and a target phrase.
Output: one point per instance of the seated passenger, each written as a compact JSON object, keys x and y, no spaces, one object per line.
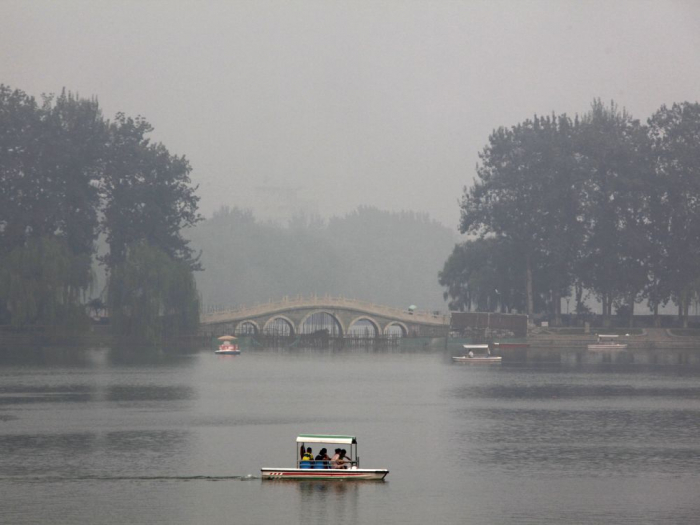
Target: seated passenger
{"x":343,"y":460}
{"x":307,"y":460}
{"x":334,"y":459}
{"x":322,"y":459}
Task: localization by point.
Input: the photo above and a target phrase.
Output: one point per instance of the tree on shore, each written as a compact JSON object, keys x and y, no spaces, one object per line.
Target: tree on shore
{"x":523,"y":193}
{"x":65,"y":175}
{"x":483,"y":275}
{"x":152,"y":296}
{"x":614,"y":195}
{"x":147,"y":194}
{"x":675,"y":140}
{"x":601,"y":202}
{"x":44,"y":284}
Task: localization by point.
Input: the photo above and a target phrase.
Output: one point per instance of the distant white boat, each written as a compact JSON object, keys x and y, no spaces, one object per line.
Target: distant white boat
{"x":478,"y":354}
{"x":607,"y":342}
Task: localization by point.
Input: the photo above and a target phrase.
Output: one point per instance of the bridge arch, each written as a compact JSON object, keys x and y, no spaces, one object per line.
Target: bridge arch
{"x":247,"y":327}
{"x":272,"y":321}
{"x":358,"y":320}
{"x":396,"y":329}
{"x":306,"y":323}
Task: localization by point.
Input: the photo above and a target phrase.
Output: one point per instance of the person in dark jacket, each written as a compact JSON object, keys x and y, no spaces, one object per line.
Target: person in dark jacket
{"x":323,"y":458}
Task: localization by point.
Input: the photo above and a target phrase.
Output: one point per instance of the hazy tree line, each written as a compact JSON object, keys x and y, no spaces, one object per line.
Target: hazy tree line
{"x":373,"y":255}
{"x":67,"y":176}
{"x":600,"y":204}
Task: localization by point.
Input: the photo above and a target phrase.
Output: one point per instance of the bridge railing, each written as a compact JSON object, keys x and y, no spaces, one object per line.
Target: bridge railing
{"x":214,"y":312}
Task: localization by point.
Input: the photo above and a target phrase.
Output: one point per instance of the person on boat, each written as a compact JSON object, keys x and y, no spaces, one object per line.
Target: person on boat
{"x":323,"y":458}
{"x":334,"y":459}
{"x":470,"y":354}
{"x":343,"y":461}
{"x":307,"y":460}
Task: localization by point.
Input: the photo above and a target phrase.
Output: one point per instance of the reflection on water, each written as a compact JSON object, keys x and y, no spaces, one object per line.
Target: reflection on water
{"x":23,"y":394}
{"x":143,"y":393}
{"x":107,"y":437}
{"x":320,"y":500}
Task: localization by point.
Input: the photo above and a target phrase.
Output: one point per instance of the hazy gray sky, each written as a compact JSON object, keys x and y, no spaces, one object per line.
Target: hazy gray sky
{"x":384,"y":103}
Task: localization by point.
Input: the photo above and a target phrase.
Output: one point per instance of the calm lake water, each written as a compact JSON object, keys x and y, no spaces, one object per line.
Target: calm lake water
{"x":95,"y":437}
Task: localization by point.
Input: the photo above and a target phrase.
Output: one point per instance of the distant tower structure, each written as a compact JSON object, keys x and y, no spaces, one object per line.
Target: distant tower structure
{"x":279,"y":203}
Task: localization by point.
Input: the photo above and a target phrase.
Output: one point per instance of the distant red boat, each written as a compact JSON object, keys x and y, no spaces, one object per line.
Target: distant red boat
{"x":510,"y":346}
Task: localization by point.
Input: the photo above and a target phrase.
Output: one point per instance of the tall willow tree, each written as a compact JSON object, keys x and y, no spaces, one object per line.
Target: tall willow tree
{"x":50,"y":167}
{"x":65,"y":175}
{"x":148,"y":201}
{"x":44,"y":283}
{"x":152,"y":296}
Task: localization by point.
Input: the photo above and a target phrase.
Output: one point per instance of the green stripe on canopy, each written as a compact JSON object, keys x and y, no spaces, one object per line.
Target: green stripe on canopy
{"x":326,"y":438}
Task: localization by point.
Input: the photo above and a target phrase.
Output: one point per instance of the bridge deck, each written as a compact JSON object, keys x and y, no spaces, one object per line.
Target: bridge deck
{"x":223,"y":315}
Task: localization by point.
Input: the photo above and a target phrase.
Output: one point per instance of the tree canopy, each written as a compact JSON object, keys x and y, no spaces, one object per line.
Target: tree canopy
{"x":600,"y":202}
{"x":67,"y":175}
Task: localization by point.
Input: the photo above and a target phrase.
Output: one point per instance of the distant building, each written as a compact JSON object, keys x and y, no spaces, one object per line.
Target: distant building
{"x":276,"y":203}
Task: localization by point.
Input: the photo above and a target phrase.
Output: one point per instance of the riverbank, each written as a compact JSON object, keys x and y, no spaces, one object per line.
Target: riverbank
{"x":636,"y":339}
{"x":647,"y":346}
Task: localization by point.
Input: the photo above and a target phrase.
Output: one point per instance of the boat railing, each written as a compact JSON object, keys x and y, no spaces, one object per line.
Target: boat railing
{"x":325,"y":464}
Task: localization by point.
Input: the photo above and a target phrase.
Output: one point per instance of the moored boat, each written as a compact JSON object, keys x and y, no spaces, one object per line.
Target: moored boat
{"x":325,"y":469}
{"x":607,"y":342}
{"x":478,"y":354}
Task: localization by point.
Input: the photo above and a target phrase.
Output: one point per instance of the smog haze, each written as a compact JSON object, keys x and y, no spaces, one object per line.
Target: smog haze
{"x":334,"y":105}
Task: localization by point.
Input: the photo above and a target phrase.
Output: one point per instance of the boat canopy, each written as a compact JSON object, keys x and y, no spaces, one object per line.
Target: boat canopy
{"x":326,"y":438}
{"x":227,"y":338}
{"x":476,"y":347}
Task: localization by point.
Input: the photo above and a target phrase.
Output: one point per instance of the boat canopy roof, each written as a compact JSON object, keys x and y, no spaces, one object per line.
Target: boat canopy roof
{"x":326,"y":438}
{"x":476,"y":347}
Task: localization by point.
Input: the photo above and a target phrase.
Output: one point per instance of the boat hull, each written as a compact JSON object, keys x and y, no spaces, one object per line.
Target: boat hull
{"x":228,"y":352}
{"x":481,"y":360}
{"x":617,"y":346}
{"x":328,"y":474}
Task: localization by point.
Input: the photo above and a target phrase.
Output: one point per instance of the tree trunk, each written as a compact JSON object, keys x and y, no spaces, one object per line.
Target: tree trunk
{"x":606,"y":310}
{"x":631,"y":324}
{"x":682,"y":310}
{"x":556,"y":299}
{"x":657,"y":319}
{"x":579,"y":299}
{"x":528,"y":286}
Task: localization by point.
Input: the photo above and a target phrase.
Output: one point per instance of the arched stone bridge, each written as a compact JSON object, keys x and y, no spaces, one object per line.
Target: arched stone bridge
{"x":346,"y":312}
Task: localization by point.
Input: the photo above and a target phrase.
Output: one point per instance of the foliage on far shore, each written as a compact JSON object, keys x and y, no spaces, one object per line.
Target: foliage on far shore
{"x":370,"y":254}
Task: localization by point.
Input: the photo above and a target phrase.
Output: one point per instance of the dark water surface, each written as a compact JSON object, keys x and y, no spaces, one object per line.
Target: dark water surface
{"x":93,"y":437}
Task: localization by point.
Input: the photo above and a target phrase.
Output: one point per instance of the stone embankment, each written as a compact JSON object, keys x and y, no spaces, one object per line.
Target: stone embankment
{"x":648,"y":339}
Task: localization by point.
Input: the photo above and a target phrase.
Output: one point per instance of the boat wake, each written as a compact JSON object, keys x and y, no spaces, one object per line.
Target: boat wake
{"x":52,"y":479}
